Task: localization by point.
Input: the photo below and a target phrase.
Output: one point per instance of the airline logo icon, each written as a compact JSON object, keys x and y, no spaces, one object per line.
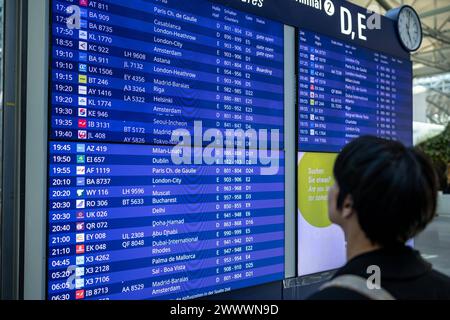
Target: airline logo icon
{"x":80,"y":260}
{"x":80,"y":249}
{"x":312,"y":80}
{"x":312,"y":87}
{"x":82,"y":90}
{"x":79,"y":283}
{"x":313,"y":118}
{"x":82,"y":78}
{"x":312,"y":102}
{"x":312,"y":95}
{"x":81,"y":182}
{"x":79,"y":295}
{"x":80,"y":215}
{"x":312,"y":57}
{"x":79,"y":272}
{"x":84,"y":3}
{"x":81,"y":204}
{"x":82,"y":123}
{"x":81,"y":159}
{"x":83,"y":13}
{"x":312,"y":132}
{"x":82,"y":67}
{"x":83,"y":35}
{"x":82,"y":135}
{"x":81,"y":148}
{"x":83,"y":24}
{"x":80,"y":226}
{"x":80,"y":238}
{"x":82,"y":112}
{"x":80,"y":193}
{"x":81,"y":171}
{"x":83,"y":56}
{"x":83,"y":45}
{"x":82,"y":101}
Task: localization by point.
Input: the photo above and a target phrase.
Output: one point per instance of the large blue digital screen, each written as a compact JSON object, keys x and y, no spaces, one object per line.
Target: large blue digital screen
{"x":344,"y":92}
{"x":125,"y":222}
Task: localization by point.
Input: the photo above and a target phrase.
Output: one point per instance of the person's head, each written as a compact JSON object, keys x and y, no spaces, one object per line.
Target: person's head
{"x":387,"y":191}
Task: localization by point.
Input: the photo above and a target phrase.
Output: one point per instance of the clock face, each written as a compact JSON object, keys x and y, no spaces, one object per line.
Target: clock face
{"x":410,"y":29}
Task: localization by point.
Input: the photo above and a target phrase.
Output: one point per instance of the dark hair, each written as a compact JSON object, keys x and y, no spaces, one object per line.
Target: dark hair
{"x":394,"y":188}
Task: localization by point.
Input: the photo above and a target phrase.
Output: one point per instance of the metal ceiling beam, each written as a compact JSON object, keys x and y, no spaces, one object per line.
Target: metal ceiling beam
{"x":426,"y":73}
{"x":435,"y":12}
{"x":445,"y":94}
{"x":432,"y":51}
{"x":385,"y":4}
{"x":435,"y":34}
{"x":435,"y":65}
{"x":433,"y":81}
{"x":437,"y":106}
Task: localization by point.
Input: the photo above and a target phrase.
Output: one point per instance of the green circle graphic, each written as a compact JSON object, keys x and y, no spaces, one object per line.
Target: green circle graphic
{"x":315,"y":177}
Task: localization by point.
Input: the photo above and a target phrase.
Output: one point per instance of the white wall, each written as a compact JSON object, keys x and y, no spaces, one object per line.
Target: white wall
{"x":444,"y":205}
{"x":420,"y":107}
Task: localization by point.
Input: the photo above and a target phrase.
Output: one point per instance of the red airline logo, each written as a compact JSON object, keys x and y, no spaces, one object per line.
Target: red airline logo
{"x":82,"y":134}
{"x":79,"y":294}
{"x":82,"y":123}
{"x":80,"y":249}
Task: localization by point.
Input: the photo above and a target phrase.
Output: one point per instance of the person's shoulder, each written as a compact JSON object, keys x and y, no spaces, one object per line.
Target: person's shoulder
{"x":334,"y":293}
{"x":440,"y":278}
{"x":434,"y":285}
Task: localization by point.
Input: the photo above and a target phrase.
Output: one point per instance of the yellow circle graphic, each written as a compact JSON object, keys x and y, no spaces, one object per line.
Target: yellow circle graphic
{"x":315,"y":177}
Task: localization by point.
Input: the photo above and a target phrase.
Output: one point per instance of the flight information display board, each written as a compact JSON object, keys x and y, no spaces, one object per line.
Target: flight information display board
{"x":133,"y":226}
{"x":347,"y":91}
{"x":137,"y":70}
{"x":124,"y":222}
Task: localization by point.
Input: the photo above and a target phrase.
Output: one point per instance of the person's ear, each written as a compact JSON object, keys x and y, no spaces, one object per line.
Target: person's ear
{"x":347,"y":207}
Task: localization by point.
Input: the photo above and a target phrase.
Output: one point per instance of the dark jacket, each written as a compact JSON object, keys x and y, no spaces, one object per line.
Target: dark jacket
{"x":404,"y":274}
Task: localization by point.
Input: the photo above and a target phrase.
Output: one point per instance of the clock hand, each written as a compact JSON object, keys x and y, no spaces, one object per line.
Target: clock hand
{"x":409,"y":35}
{"x":408,"y":32}
{"x":411,"y":28}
